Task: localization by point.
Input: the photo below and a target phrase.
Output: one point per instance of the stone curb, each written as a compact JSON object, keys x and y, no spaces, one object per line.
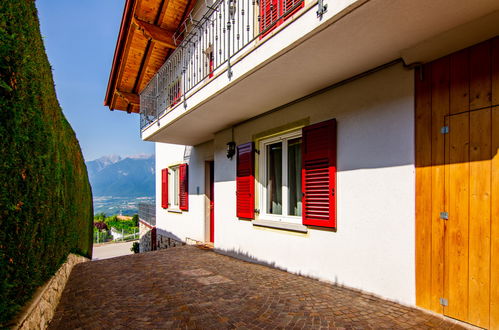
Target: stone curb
{"x":38,"y":312}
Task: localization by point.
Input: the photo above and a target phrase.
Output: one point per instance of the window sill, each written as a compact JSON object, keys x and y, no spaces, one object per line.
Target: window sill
{"x":281,"y":225}
{"x":174,"y":211}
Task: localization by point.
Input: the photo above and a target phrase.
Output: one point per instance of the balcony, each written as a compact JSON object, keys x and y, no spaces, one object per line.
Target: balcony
{"x":225,"y":30}
{"x":242,"y":58}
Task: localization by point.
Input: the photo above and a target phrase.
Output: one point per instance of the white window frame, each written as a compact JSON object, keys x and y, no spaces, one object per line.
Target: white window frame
{"x":173,"y":188}
{"x":262,"y":174}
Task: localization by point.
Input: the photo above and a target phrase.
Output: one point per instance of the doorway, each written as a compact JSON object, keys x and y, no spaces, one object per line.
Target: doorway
{"x":470,"y":173}
{"x":457,"y":185}
{"x":210,"y":200}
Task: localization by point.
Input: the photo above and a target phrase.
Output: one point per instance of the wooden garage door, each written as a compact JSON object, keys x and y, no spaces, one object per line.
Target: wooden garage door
{"x":457,"y":185}
{"x":470,"y":202}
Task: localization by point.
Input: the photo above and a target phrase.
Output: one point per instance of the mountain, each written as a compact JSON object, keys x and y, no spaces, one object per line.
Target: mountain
{"x":95,"y":166}
{"x":131,"y":176}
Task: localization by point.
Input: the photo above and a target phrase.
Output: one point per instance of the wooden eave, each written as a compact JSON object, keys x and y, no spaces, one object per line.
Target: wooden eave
{"x":144,"y":43}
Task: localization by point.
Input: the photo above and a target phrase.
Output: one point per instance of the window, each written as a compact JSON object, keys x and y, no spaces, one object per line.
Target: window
{"x":173,"y":189}
{"x":283,"y":160}
{"x":177,"y":185}
{"x":280,"y":178}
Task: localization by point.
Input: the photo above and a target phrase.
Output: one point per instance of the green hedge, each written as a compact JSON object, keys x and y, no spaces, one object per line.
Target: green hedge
{"x":45,"y":198}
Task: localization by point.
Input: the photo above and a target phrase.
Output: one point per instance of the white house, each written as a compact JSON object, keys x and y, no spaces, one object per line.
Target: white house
{"x":350,"y":141}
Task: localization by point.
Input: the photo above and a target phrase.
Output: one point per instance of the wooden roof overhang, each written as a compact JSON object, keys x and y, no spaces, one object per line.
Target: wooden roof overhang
{"x":145,"y":40}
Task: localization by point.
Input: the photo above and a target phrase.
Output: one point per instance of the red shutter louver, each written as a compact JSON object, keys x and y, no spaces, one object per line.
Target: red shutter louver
{"x":183,"y":187}
{"x":274,"y":12}
{"x":319,"y":174}
{"x":164,"y":188}
{"x":269,"y":14}
{"x":291,"y":6}
{"x":245,"y":181}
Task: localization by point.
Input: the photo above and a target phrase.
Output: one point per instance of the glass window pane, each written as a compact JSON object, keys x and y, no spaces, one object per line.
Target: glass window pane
{"x":175,"y":190}
{"x":294,"y":176}
{"x":274,"y":178}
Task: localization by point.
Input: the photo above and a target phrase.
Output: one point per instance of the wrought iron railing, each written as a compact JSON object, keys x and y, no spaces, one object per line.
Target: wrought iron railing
{"x":147,"y":213}
{"x":226,"y":28}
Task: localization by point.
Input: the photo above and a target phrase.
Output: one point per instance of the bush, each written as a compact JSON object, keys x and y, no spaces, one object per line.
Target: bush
{"x":135,"y":247}
{"x":45,"y":198}
{"x":100,"y":225}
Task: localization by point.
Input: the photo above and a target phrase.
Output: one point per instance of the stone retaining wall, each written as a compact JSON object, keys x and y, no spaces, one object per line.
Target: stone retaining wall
{"x":145,"y":237}
{"x":40,"y":309}
{"x":165,"y":242}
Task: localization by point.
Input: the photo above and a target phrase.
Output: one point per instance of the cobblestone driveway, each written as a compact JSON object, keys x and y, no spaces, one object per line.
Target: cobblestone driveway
{"x":186,"y":287}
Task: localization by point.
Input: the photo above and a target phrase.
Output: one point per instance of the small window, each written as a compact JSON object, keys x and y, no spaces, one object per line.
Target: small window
{"x":280,"y":178}
{"x":173,"y":189}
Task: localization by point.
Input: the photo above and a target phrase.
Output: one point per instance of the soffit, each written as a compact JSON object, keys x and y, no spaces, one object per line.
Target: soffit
{"x":145,"y":40}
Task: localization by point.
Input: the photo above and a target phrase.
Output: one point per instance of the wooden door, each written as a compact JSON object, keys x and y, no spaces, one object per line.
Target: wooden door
{"x":457,"y":185}
{"x":469,"y":203}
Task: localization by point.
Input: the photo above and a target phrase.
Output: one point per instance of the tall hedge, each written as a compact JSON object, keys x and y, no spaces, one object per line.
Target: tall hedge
{"x":45,"y":198}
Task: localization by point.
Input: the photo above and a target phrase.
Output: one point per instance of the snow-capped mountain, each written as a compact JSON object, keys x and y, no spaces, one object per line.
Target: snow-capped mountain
{"x":132,"y":176}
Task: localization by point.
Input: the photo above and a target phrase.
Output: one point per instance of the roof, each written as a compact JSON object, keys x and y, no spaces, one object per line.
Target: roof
{"x":145,"y":40}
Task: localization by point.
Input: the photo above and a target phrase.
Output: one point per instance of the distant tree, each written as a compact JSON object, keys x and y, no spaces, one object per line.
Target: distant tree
{"x":100,"y":216}
{"x":135,"y":219}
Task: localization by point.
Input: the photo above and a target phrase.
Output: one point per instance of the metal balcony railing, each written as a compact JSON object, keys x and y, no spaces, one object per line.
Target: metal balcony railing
{"x":147,"y":213}
{"x":226,"y":28}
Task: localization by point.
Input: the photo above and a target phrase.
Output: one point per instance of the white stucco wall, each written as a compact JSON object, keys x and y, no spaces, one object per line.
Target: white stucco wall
{"x":186,"y":224}
{"x":373,"y":248}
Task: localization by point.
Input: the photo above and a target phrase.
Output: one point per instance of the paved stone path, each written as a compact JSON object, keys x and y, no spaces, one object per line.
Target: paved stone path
{"x":187,"y":287}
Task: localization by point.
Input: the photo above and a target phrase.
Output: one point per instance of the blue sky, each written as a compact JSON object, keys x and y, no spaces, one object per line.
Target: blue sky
{"x":80,"y":37}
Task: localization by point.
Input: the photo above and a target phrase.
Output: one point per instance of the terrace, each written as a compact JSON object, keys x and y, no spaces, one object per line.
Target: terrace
{"x":232,"y":54}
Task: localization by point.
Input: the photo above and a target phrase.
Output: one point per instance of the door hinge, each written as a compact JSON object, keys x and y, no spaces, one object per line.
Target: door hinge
{"x":444,"y":302}
{"x":257,"y":211}
{"x":444,"y":129}
{"x":444,"y":215}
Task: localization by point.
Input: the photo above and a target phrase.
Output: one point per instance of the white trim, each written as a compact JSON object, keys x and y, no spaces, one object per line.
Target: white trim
{"x":262,"y":179}
{"x":280,"y":225}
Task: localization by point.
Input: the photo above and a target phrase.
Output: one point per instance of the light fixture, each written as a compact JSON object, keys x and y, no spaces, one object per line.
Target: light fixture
{"x":231,"y":149}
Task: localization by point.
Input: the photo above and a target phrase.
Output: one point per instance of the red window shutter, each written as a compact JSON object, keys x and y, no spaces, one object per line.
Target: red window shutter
{"x":245,"y":181}
{"x":291,"y":6}
{"x":274,"y":12}
{"x":269,"y":14}
{"x":164,"y":188}
{"x":319,"y":174}
{"x":183,"y":187}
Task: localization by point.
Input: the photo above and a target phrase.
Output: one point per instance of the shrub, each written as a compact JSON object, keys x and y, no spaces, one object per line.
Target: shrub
{"x":135,"y":247}
{"x":100,"y":225}
{"x":45,"y":198}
